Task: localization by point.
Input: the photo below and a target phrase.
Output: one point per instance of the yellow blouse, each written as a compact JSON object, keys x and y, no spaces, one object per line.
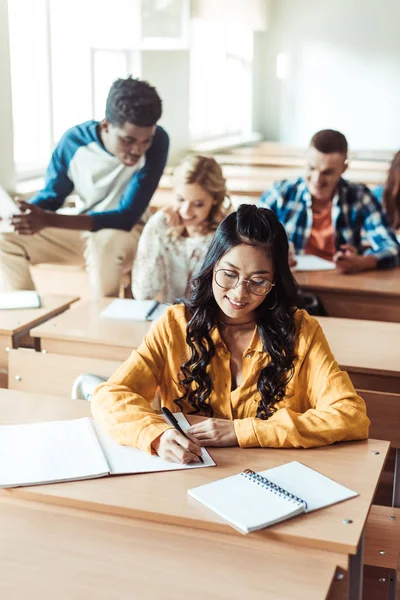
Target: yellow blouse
{"x":320,"y":407}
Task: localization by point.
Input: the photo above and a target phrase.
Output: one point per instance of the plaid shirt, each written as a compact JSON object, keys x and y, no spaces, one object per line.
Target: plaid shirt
{"x":357,"y":216}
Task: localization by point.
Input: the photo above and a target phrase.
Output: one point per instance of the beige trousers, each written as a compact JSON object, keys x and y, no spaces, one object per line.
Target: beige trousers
{"x":106,"y":254}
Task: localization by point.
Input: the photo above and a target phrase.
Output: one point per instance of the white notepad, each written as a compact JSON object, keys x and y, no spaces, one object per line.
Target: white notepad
{"x":21,"y":299}
{"x":309,"y":262}
{"x":251,"y":501}
{"x":57,"y":451}
{"x":134,"y":310}
{"x":8,"y":208}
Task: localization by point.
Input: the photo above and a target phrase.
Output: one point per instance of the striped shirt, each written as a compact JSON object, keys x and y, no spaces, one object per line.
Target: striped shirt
{"x":357,"y":217}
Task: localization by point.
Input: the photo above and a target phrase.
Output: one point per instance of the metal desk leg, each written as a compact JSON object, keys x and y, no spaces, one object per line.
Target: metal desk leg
{"x":396,"y":482}
{"x":356,"y":571}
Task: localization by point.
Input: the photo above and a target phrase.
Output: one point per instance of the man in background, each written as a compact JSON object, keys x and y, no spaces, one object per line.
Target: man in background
{"x":329,"y":217}
{"x":113,"y":167}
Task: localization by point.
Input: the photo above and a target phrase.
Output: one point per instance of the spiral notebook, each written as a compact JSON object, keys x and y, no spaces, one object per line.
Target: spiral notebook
{"x":250,"y":501}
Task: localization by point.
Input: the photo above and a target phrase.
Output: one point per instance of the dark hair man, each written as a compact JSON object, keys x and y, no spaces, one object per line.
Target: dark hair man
{"x":330,"y":217}
{"x":113,"y":167}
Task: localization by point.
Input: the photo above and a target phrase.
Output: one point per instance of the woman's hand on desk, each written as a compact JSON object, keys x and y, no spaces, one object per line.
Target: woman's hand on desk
{"x":215,"y":432}
{"x":174,"y":447}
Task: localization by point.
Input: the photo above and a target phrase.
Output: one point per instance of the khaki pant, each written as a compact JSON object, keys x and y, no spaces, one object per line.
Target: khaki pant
{"x":106,"y":254}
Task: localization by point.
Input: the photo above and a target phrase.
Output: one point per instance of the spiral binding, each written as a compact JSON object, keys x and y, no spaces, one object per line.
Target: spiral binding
{"x":272,"y":487}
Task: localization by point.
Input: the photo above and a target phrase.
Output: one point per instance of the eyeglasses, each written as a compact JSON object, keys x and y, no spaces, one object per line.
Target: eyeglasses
{"x":229,"y":279}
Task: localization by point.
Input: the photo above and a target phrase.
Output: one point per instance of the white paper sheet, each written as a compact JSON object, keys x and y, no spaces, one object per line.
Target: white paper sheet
{"x":124,"y":460}
{"x":309,"y":262}
{"x":132,"y":310}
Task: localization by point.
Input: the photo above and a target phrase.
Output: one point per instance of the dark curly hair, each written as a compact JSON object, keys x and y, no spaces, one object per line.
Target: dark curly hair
{"x":133,"y":101}
{"x":274,"y":316}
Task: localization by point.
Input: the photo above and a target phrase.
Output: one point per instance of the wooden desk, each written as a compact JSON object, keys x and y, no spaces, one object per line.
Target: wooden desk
{"x":78,"y":341}
{"x":162,"y":498}
{"x":83,"y":332}
{"x":15,"y":325}
{"x":264,"y":172}
{"x":278,"y":148}
{"x":367,"y":350}
{"x":261,"y":159}
{"x":70,"y":554}
{"x":374,"y":295}
{"x":255,"y":186}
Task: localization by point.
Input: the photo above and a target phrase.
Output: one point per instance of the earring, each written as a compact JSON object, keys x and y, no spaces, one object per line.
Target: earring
{"x":276,"y":301}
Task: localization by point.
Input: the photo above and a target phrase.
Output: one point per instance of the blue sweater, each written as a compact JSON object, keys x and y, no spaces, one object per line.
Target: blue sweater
{"x":81,"y":163}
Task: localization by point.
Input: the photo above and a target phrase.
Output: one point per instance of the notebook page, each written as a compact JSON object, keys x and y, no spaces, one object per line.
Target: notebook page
{"x":132,"y":310}
{"x":246,"y":505}
{"x":8,"y":207}
{"x":316,"y":489}
{"x":309,"y":262}
{"x":20,"y":299}
{"x":124,"y":459}
{"x":49,"y":452}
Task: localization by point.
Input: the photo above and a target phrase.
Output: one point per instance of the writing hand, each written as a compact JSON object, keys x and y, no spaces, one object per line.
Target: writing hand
{"x":31,"y":220}
{"x":174,"y":447}
{"x":215,"y":432}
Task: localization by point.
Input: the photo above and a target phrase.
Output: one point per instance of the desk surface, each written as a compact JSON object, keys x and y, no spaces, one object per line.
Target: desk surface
{"x":374,"y":295}
{"x":85,"y":324}
{"x":16,"y":321}
{"x":384,"y":283}
{"x":163,"y":498}
{"x":64,"y":553}
{"x":364,"y":346}
{"x":257,"y":185}
{"x":262,"y":159}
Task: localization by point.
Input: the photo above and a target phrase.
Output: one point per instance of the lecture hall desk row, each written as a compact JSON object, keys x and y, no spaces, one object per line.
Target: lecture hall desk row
{"x":269,"y":148}
{"x":15,"y":325}
{"x":374,"y":295}
{"x":255,"y":185}
{"x":142,"y":533}
{"x":80,"y":340}
{"x":260,"y":159}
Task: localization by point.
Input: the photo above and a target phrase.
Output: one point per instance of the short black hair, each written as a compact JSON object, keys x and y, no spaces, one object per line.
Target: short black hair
{"x":329,"y":141}
{"x":133,"y":101}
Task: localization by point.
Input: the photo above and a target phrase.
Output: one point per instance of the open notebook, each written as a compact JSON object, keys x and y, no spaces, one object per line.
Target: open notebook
{"x":250,"y":501}
{"x":134,"y":310}
{"x":56,"y":451}
{"x":20,"y":299}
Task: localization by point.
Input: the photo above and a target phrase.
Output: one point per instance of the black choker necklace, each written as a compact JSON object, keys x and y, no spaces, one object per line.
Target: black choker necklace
{"x":236,"y":324}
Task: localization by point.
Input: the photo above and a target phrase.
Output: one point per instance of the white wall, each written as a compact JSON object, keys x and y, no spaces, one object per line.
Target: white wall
{"x":168,"y":71}
{"x":7,"y":176}
{"x":343,"y":71}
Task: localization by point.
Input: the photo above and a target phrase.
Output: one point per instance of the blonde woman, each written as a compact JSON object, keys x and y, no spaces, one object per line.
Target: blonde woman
{"x":175,"y":241}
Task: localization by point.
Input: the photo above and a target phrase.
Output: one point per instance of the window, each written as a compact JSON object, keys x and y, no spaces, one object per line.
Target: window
{"x":61,"y":69}
{"x":220,"y":80}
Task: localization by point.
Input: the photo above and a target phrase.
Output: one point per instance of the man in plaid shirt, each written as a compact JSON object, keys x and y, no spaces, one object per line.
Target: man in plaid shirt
{"x":330,"y":217}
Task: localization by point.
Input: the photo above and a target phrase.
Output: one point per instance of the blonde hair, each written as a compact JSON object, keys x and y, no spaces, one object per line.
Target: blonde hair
{"x":207,"y":173}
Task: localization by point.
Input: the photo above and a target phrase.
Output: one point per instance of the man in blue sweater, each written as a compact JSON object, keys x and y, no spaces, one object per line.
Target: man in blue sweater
{"x":113,"y":167}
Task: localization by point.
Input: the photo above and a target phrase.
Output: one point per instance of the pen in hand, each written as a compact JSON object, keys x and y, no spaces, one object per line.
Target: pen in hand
{"x":171,"y":419}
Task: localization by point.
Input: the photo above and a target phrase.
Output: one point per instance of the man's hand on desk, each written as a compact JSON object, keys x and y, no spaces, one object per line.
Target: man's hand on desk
{"x":174,"y":447}
{"x":349,"y":262}
{"x":215,"y":432}
{"x":31,"y":220}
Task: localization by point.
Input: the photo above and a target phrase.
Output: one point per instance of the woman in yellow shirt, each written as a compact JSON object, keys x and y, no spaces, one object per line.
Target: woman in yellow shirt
{"x":238,"y":352}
